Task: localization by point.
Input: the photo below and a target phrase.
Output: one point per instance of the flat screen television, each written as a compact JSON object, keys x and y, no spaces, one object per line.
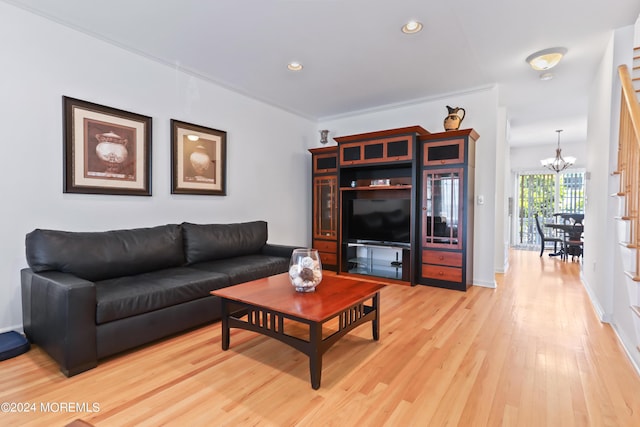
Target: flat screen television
{"x":379,"y":220}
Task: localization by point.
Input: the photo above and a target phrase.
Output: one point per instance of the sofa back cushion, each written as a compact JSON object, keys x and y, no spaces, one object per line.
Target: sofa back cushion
{"x":106,"y":254}
{"x":208,"y":242}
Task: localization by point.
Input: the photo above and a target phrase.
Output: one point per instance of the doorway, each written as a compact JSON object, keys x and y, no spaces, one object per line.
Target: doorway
{"x":545,"y":194}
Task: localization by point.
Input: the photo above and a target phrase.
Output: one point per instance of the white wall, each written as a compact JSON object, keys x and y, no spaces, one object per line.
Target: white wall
{"x":601,"y":136}
{"x":482,"y":115}
{"x":268,"y":165}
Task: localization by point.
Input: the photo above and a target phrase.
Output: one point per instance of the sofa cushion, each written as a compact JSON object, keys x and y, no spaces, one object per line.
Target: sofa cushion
{"x":105,"y":254}
{"x":246,"y":268}
{"x":131,"y":295}
{"x":208,"y":242}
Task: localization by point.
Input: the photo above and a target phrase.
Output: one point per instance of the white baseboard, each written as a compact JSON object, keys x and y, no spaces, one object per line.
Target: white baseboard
{"x":602,"y":315}
{"x":17,"y":328}
{"x":607,"y":318}
{"x":504,"y":268}
{"x":486,"y":284}
{"x":626,"y":348}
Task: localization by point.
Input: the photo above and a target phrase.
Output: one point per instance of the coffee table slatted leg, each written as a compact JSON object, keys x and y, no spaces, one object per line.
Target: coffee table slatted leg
{"x":375,"y":324}
{"x":225,"y":323}
{"x":315,"y":353}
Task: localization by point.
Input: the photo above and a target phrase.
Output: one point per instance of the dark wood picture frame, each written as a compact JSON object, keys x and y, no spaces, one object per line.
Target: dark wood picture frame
{"x":106,"y":150}
{"x":198,"y":159}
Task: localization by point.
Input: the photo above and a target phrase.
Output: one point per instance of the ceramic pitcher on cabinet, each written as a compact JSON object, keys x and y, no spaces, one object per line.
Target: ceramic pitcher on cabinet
{"x":453,"y":120}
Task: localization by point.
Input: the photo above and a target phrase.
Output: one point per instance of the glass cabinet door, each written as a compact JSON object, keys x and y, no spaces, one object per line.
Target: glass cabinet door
{"x":441,"y":208}
{"x":325,"y":207}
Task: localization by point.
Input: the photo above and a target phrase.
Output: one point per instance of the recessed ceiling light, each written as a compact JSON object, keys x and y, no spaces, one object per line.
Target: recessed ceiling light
{"x":294,"y":66}
{"x":546,"y":76}
{"x":193,"y":137}
{"x":411,"y":27}
{"x":546,"y":58}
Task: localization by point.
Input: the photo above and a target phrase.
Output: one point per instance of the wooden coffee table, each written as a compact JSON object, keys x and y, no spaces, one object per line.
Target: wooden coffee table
{"x":263,"y":305}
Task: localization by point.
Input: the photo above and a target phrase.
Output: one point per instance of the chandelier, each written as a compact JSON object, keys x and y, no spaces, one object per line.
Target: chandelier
{"x":558,"y":163}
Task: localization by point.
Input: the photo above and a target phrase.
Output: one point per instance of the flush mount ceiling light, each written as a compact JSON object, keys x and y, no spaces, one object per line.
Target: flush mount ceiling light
{"x":294,"y":66}
{"x":546,"y":59}
{"x":411,"y":27}
{"x":558,"y":163}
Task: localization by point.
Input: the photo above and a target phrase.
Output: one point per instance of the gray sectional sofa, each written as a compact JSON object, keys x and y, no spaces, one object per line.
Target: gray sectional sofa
{"x":89,"y":295}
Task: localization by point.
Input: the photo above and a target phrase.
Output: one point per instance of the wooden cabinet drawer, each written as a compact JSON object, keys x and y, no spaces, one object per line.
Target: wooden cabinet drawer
{"x":325,"y":246}
{"x":453,"y":259}
{"x":328,"y":259}
{"x":443,"y":152}
{"x":439,"y":272}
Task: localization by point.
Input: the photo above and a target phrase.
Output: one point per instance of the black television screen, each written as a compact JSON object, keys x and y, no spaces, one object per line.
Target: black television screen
{"x":380,"y":220}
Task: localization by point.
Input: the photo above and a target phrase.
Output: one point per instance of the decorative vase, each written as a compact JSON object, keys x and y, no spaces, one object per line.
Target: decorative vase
{"x":111,"y":150}
{"x":200,"y":160}
{"x":305,"y":270}
{"x":454,"y":119}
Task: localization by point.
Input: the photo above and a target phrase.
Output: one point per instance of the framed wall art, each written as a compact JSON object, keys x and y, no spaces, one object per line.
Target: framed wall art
{"x":107,"y":151}
{"x":198,"y":159}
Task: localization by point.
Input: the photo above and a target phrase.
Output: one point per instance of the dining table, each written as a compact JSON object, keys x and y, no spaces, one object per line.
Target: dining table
{"x":572,"y":232}
{"x":570,"y":217}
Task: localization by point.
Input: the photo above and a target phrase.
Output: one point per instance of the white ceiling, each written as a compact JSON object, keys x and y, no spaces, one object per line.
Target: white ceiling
{"x":355,"y":57}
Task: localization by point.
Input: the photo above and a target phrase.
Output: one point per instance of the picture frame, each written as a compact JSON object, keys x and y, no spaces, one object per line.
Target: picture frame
{"x":106,"y":150}
{"x":198,"y":159}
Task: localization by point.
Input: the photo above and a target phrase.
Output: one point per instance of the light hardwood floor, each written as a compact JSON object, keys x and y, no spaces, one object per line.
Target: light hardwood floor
{"x":529,"y":353}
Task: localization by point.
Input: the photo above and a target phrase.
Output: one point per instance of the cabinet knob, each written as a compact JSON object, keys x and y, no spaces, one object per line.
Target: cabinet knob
{"x":440,"y":273}
{"x":442,"y":162}
{"x":441,"y":257}
{"x":424,"y":208}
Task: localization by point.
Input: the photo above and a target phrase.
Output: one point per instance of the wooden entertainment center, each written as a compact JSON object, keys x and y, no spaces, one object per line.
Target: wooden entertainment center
{"x":397,"y":204}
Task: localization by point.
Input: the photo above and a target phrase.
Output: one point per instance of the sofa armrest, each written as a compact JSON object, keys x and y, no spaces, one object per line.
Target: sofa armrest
{"x":59,"y":315}
{"x":283,"y":251}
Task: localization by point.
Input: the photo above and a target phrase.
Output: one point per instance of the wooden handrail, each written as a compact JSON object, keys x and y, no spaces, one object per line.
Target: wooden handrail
{"x":629,"y":161}
{"x":630,"y":98}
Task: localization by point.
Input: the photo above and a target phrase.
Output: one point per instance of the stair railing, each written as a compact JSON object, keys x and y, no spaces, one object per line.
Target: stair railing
{"x":629,"y":161}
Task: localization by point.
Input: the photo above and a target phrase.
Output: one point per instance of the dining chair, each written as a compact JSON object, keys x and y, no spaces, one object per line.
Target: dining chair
{"x":544,"y":238}
{"x":573,"y":243}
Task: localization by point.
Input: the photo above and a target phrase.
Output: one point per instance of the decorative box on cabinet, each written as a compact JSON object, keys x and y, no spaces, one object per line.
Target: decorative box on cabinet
{"x":444,"y":152}
{"x":325,"y":160}
{"x":325,"y":205}
{"x":447,"y":208}
{"x":383,"y":150}
{"x":394,"y":145}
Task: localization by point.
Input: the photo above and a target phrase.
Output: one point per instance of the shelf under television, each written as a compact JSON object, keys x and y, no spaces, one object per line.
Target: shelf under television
{"x":377,"y":188}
